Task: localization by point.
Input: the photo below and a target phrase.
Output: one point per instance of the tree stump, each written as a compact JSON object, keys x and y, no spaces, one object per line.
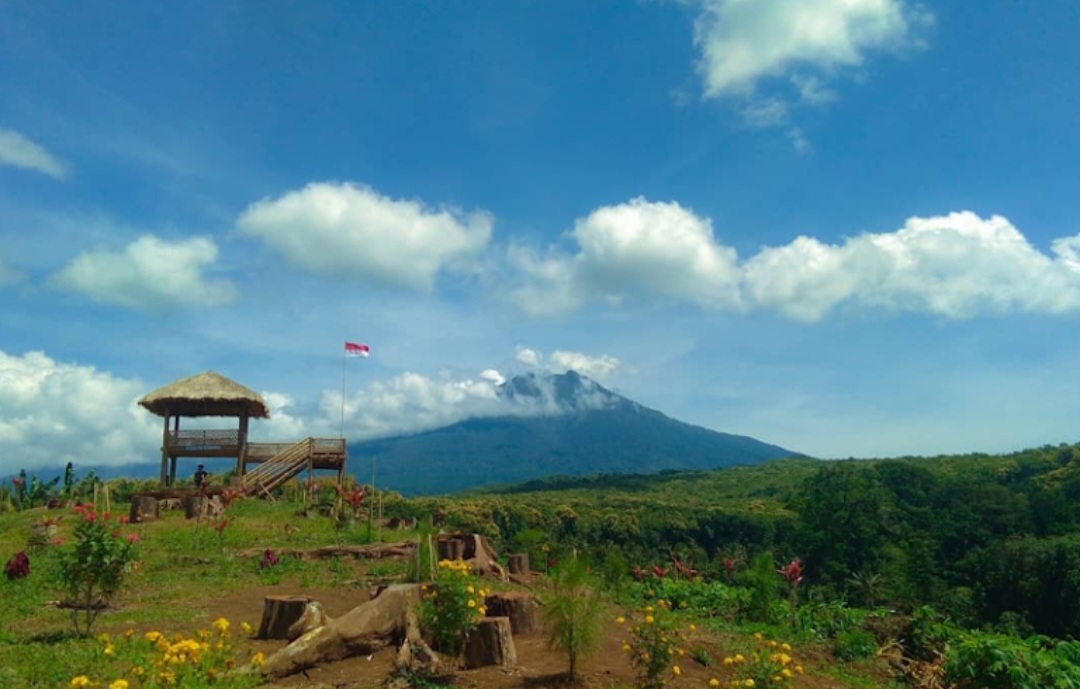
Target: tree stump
{"x":451,"y":549}
{"x":199,"y":506}
{"x":491,"y":643}
{"x":518,"y":563}
{"x":520,"y":608}
{"x":280,"y":613}
{"x":144,"y":508}
{"x":313,"y":617}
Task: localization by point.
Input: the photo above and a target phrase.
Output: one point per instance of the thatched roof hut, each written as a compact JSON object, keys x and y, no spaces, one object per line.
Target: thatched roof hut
{"x":206,"y":394}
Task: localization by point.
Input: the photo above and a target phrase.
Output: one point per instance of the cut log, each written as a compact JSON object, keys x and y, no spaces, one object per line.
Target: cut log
{"x":491,"y":643}
{"x":363,"y":630}
{"x":475,"y":550}
{"x":144,"y":508}
{"x":518,"y":563}
{"x":520,"y":608}
{"x":280,"y":613}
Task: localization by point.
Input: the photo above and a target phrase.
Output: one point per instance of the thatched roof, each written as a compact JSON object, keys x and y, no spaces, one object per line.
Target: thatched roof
{"x":205,"y":394}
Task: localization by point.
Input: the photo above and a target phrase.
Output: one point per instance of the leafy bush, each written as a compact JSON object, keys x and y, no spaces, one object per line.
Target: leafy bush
{"x":854,"y":644}
{"x":996,"y":661}
{"x":92,"y":569}
{"x":703,"y":598}
{"x":765,"y":663}
{"x":828,"y":620}
{"x":654,"y":646}
{"x":451,"y":607}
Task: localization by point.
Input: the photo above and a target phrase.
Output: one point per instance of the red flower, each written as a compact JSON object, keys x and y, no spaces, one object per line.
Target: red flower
{"x":18,"y":567}
{"x":123,"y":519}
{"x":793,"y":572}
{"x":132,"y":537}
{"x":269,"y":559}
{"x":19,"y":482}
{"x":221,"y":525}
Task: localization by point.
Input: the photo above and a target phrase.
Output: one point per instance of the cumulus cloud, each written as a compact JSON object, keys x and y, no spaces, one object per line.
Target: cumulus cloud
{"x":598,"y":367}
{"x":767,"y":55}
{"x":529,"y":357}
{"x":352,"y":231}
{"x":743,"y":42}
{"x":957,"y":265}
{"x":18,"y":151}
{"x":150,"y":273}
{"x":660,"y":248}
{"x":52,"y":413}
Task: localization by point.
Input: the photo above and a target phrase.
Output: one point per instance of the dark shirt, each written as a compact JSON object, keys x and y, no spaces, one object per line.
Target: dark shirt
{"x":200,"y":476}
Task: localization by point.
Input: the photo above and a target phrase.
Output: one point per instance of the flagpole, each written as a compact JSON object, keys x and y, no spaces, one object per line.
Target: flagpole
{"x":344,"y":357}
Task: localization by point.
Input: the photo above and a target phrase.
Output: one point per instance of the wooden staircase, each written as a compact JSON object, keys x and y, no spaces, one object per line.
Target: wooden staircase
{"x":281,"y":467}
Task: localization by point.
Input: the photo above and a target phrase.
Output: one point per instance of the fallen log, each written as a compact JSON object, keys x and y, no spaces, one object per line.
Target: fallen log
{"x":373,"y":551}
{"x":365,"y":629}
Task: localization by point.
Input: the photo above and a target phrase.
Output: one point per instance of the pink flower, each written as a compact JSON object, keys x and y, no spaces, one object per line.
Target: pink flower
{"x":793,"y":572}
{"x":132,"y":537}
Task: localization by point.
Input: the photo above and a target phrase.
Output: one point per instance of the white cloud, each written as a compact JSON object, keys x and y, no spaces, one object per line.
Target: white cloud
{"x":957,"y":265}
{"x":151,"y":273}
{"x":18,"y":151}
{"x":745,"y":41}
{"x":529,"y":357}
{"x":352,"y":231}
{"x":659,"y":248}
{"x":52,"y":413}
{"x":597,"y":367}
{"x":492,"y":375}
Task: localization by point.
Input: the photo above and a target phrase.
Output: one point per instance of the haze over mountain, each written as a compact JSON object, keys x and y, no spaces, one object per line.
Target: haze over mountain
{"x":567,"y":424}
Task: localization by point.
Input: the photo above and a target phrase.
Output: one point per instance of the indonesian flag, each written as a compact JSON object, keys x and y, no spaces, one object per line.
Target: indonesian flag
{"x":354,"y":349}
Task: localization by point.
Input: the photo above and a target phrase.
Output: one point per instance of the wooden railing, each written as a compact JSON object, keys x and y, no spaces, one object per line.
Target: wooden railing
{"x":290,"y":460}
{"x":203,"y":440}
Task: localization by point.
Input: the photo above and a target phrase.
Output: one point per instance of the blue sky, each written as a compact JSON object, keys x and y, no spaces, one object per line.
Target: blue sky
{"x":849,"y":227}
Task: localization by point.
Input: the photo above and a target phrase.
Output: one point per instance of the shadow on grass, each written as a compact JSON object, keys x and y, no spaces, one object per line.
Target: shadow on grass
{"x":554,"y":679}
{"x":53,"y":637}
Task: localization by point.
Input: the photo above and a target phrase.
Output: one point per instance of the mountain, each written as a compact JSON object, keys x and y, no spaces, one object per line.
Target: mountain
{"x":556,"y":425}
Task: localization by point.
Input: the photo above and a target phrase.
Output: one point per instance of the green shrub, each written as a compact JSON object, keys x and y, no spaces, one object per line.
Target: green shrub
{"x":854,"y":644}
{"x":996,"y":661}
{"x":451,"y":607}
{"x":92,"y":569}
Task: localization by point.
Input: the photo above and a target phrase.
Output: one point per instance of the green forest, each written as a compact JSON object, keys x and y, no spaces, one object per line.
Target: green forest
{"x":990,"y":541}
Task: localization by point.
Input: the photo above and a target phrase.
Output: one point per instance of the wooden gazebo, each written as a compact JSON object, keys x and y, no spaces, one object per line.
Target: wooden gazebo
{"x":212,"y":394}
{"x":206,"y":394}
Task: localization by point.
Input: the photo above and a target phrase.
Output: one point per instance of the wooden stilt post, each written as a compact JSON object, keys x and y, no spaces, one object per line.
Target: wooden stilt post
{"x":165,"y":452}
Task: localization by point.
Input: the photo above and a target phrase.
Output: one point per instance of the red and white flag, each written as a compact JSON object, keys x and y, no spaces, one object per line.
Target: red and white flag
{"x":354,"y":349}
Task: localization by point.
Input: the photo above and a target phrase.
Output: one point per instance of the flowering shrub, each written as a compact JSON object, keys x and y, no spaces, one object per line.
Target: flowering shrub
{"x":654,"y":647}
{"x":452,"y":606}
{"x":766,"y":663}
{"x":153,"y":661}
{"x":92,"y":569}
{"x":18,"y":567}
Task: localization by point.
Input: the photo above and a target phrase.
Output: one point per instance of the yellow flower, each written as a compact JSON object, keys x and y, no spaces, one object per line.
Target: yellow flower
{"x":472,"y":603}
{"x":785,"y":646}
{"x":770,"y":644}
{"x":470,"y":589}
{"x":649,"y":619}
{"x":775,"y":678}
{"x":739,"y":658}
{"x":748,"y":683}
{"x":108,"y":650}
{"x":129,"y":633}
{"x":626,"y":648}
{"x":246,"y":627}
{"x":137,"y":671}
{"x":714,"y":682}
{"x":787,"y":673}
{"x":648,"y":608}
{"x":728,"y":660}
{"x":80,"y":681}
{"x":482,"y":609}
{"x":676,"y":670}
{"x":693,"y":628}
{"x":258,"y":659}
{"x":798,"y":669}
{"x":153,"y":636}
{"x":620,"y":620}
{"x":757,"y":635}
{"x":221,"y":624}
{"x":119,"y":684}
{"x":103,"y":638}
